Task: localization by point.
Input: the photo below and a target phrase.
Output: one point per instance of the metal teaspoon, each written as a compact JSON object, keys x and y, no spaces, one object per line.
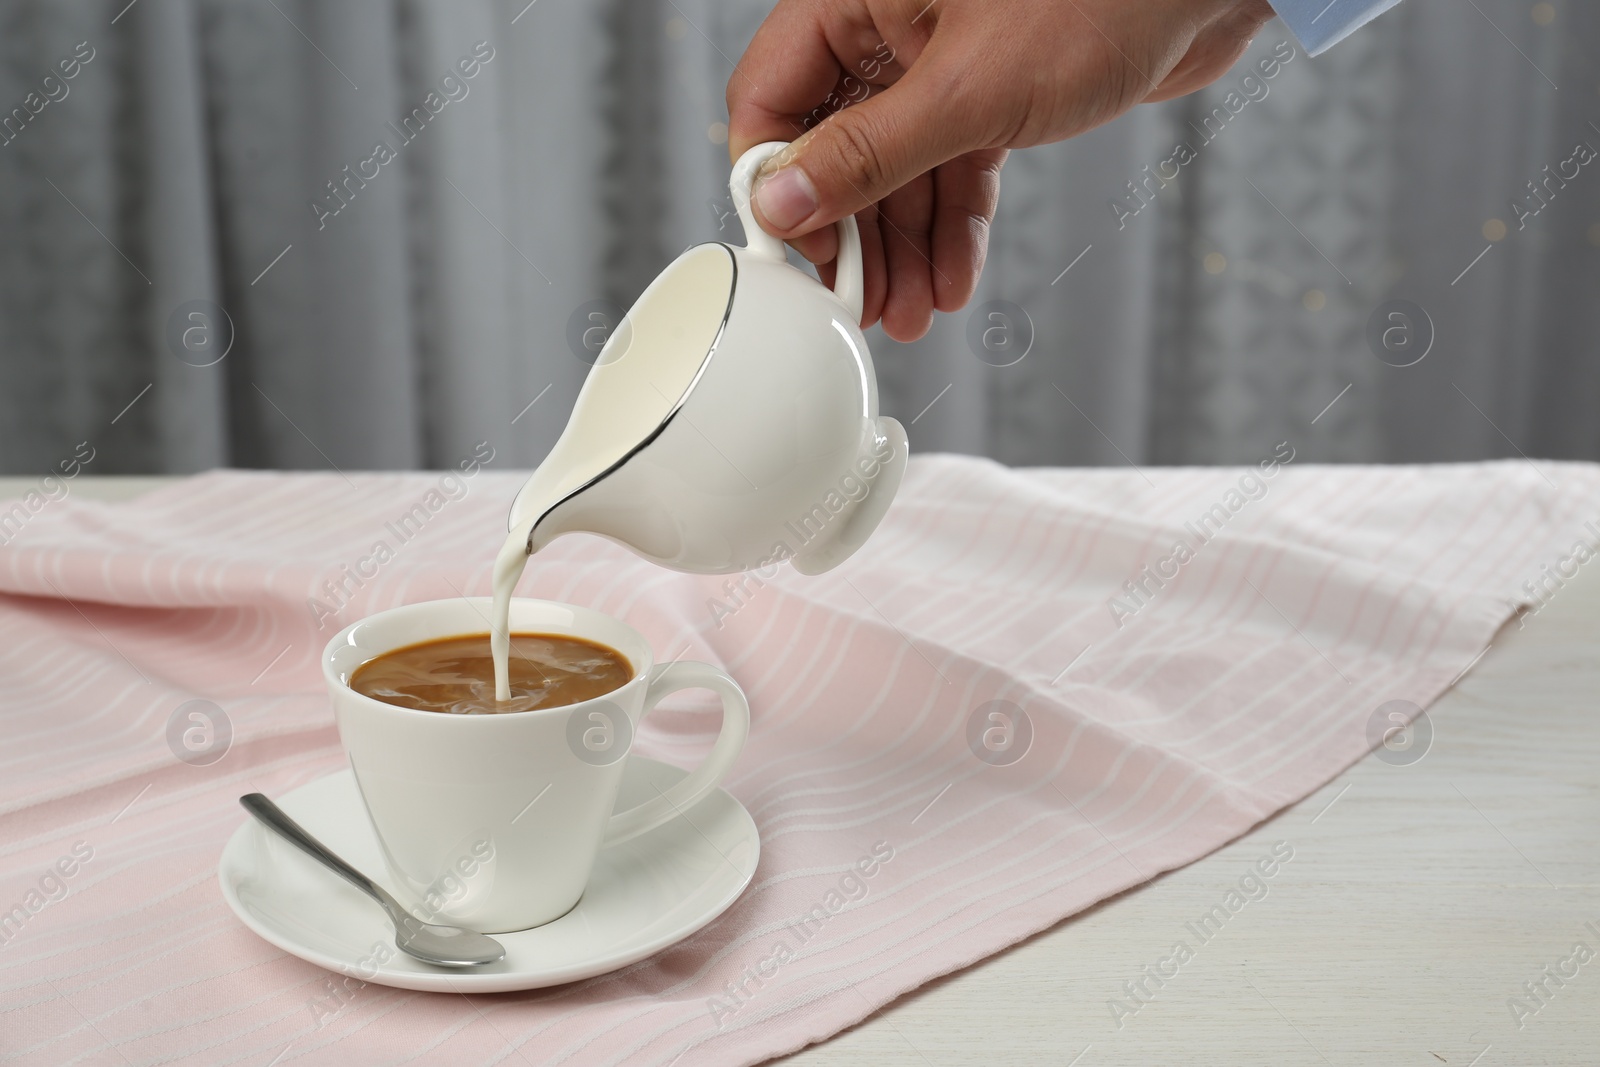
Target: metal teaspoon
{"x":441,"y":946}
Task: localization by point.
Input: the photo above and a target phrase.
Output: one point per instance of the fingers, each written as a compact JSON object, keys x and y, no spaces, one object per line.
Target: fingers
{"x":905,"y":221}
{"x":818,"y":246}
{"x":925,"y":250}
{"x":967,"y":192}
{"x":862,"y":154}
{"x":774,"y":94}
{"x":874,"y":269}
{"x":790,"y":68}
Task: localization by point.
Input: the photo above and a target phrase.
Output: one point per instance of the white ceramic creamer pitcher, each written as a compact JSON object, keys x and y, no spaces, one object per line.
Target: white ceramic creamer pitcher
{"x":731,"y":419}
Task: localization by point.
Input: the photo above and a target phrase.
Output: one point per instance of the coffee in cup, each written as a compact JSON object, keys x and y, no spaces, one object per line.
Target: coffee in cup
{"x":455,"y":675}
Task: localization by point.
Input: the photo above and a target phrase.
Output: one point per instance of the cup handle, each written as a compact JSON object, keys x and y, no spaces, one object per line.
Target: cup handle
{"x":670,"y":678}
{"x":848,"y":280}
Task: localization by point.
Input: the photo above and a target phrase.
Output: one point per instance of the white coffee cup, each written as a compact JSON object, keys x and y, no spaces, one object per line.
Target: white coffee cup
{"x":492,"y":822}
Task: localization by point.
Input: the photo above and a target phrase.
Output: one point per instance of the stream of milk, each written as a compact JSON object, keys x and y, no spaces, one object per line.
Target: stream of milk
{"x":508,"y":565}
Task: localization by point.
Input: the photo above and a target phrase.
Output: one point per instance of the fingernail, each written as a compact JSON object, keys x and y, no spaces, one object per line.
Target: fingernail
{"x":787,"y":198}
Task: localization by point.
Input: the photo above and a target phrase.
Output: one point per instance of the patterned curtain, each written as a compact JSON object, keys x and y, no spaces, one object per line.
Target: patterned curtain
{"x":171,"y":293}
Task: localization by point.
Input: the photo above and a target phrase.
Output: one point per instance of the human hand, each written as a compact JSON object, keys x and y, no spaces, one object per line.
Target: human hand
{"x":902,"y":112}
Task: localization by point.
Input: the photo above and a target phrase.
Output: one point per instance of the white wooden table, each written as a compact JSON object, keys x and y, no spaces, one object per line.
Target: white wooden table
{"x":1419,"y":900}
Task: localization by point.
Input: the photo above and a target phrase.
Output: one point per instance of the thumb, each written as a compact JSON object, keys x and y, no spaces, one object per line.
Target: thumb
{"x":860,"y":155}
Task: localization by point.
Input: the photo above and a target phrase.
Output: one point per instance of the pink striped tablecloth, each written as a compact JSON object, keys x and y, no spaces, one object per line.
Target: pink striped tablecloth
{"x":1167,"y":716}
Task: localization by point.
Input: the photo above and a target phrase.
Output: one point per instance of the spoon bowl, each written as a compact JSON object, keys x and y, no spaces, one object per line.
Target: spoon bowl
{"x":445,"y":946}
{"x":440,"y":946}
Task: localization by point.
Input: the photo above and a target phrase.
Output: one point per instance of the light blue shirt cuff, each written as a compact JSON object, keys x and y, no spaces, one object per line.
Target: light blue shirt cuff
{"x":1321,"y":24}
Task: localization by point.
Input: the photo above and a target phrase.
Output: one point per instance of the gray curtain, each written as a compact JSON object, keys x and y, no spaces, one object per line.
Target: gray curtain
{"x":174,"y":174}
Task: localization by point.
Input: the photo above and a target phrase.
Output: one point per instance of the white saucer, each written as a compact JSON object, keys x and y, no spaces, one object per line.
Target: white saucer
{"x":644,"y":894}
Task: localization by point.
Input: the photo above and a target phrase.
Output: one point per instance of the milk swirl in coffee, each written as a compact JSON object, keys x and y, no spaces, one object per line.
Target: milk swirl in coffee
{"x":454,"y":675}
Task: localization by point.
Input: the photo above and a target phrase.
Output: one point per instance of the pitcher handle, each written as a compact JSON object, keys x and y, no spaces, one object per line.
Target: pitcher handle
{"x":848,"y":279}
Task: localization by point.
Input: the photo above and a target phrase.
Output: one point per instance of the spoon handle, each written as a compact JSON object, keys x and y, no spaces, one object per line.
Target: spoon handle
{"x":259,"y":805}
